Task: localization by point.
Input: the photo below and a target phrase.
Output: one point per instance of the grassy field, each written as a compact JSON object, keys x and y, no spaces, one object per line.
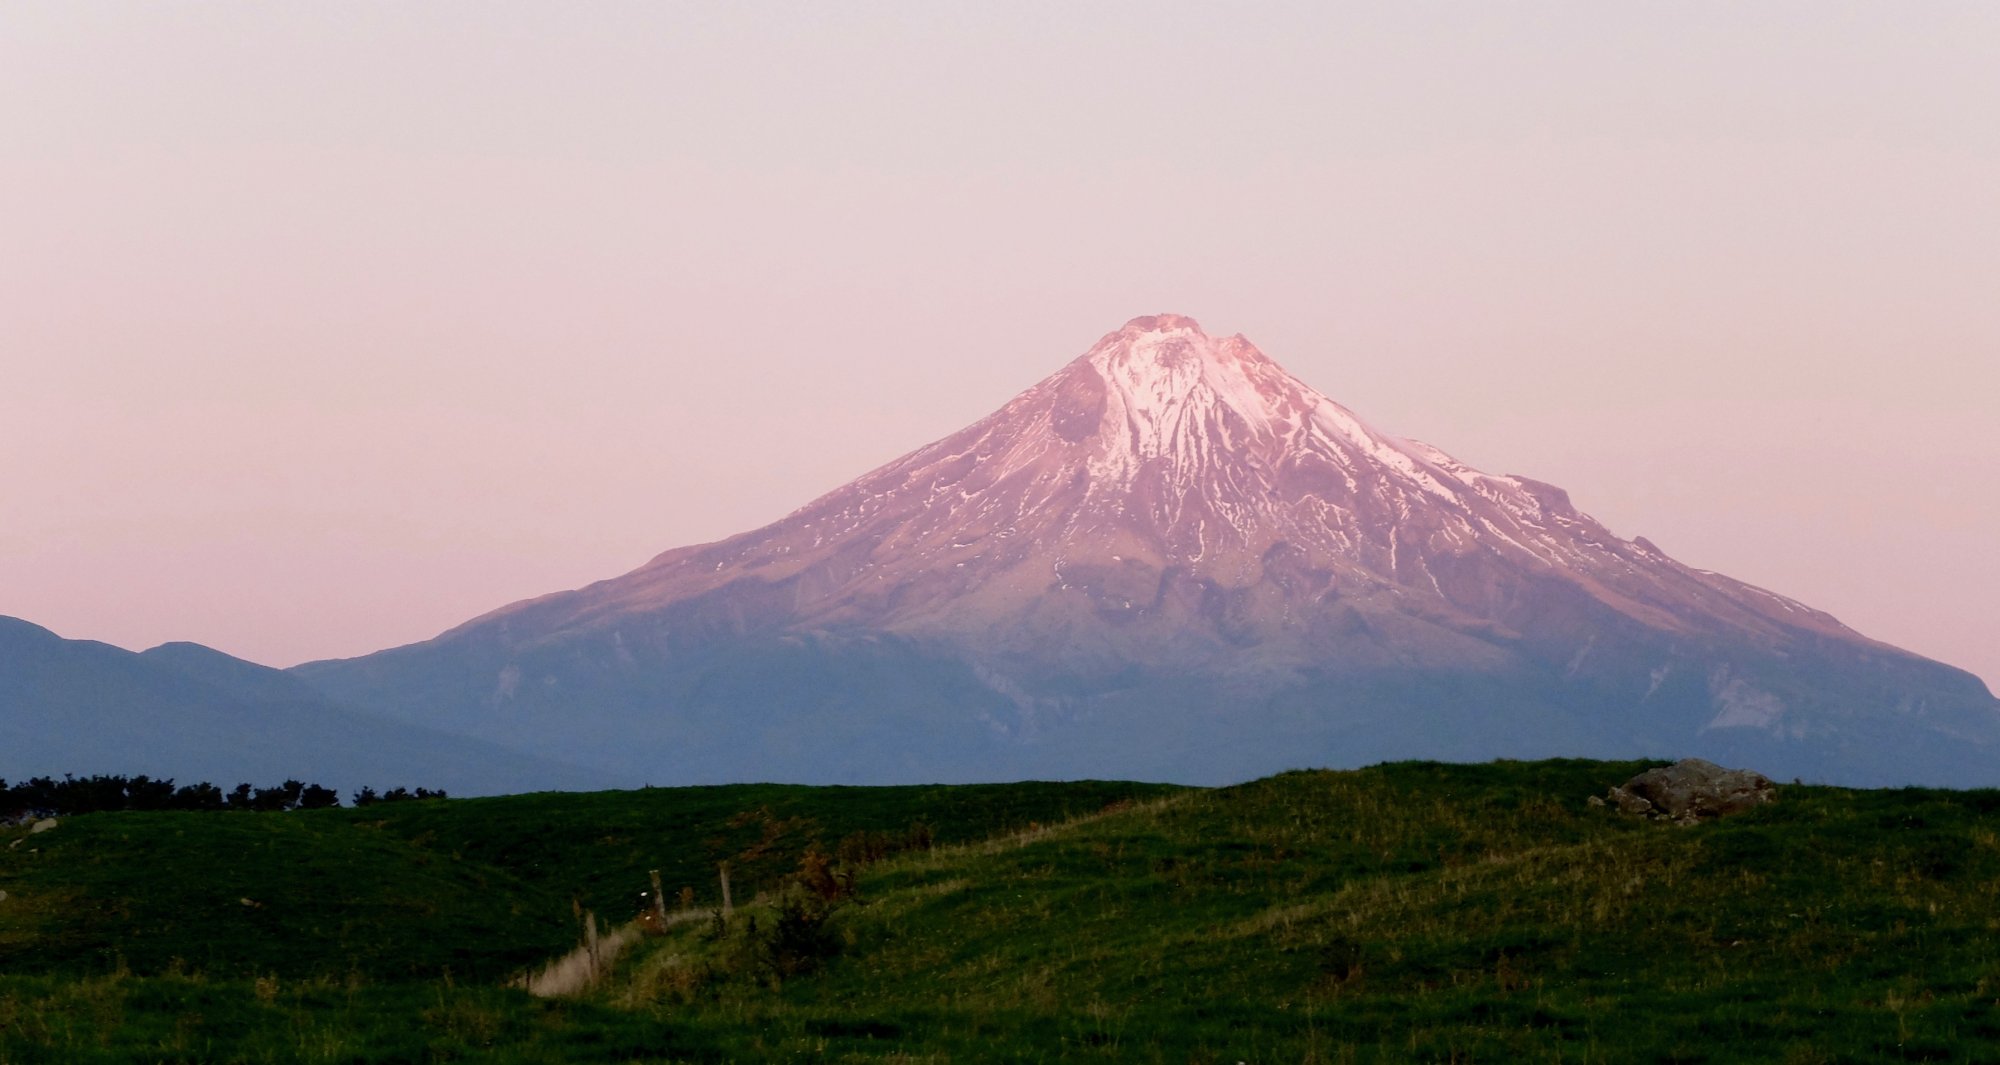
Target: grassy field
{"x":1409,"y":912}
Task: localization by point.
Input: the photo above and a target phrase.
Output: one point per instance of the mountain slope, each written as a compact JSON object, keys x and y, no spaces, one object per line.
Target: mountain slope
{"x":1172,"y":558}
{"x":191,"y":713}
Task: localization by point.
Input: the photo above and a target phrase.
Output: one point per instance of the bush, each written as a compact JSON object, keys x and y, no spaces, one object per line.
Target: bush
{"x":368,"y":796}
{"x":800,"y":940}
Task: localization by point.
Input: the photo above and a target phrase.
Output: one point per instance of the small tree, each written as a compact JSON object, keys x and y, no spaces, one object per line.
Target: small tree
{"x":144,"y":793}
{"x":315,"y":797}
{"x":202,"y":796}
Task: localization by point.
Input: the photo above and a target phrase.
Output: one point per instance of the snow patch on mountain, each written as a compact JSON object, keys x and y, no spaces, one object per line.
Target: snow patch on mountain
{"x":1740,"y":704}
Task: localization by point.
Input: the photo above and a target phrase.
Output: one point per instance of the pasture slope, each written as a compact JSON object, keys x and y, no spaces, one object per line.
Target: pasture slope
{"x":1405,"y":912}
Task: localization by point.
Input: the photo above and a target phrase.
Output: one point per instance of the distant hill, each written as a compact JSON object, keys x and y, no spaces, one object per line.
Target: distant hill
{"x":193,"y":713}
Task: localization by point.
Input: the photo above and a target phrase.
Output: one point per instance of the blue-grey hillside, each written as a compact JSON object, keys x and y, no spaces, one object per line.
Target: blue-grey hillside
{"x":191,"y":713}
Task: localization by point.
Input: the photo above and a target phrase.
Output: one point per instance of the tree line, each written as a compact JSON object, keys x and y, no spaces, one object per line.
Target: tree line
{"x":104,"y":792}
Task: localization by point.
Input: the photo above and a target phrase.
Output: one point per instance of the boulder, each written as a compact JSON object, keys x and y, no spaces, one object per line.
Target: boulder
{"x":1692,"y":790}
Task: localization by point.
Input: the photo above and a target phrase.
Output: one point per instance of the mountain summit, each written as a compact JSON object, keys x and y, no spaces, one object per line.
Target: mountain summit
{"x":1172,"y":558}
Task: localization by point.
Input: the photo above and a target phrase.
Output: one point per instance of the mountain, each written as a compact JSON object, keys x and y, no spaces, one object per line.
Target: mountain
{"x":1173,"y":559}
{"x":192,"y":713}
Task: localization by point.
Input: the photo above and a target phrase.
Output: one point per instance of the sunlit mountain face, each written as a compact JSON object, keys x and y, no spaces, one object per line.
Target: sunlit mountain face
{"x":1173,"y":559}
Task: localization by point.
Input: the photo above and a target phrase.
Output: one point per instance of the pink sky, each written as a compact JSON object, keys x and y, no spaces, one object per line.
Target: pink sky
{"x":325,"y":327}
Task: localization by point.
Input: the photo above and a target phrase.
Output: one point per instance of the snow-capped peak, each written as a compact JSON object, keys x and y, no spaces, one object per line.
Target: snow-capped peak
{"x":1192,"y":467}
{"x":1173,"y":547}
{"x":1170,"y":391}
{"x":1164,"y":361}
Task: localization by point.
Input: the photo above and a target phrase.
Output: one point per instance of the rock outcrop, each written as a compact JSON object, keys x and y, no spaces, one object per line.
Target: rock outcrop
{"x":1692,"y":790}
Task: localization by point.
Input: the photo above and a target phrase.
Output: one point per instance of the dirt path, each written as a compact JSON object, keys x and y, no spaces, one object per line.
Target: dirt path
{"x":583,"y":967}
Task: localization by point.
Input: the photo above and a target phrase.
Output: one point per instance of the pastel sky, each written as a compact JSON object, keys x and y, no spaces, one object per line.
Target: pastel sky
{"x":326,"y":326}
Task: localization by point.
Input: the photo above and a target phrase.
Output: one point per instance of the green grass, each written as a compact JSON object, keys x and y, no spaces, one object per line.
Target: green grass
{"x":476,"y":888}
{"x":1409,"y":912}
{"x":191,"y":1020}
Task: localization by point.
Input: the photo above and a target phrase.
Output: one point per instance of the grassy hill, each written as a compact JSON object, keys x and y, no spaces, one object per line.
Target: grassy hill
{"x":473,"y":888}
{"x":1408,"y":912}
